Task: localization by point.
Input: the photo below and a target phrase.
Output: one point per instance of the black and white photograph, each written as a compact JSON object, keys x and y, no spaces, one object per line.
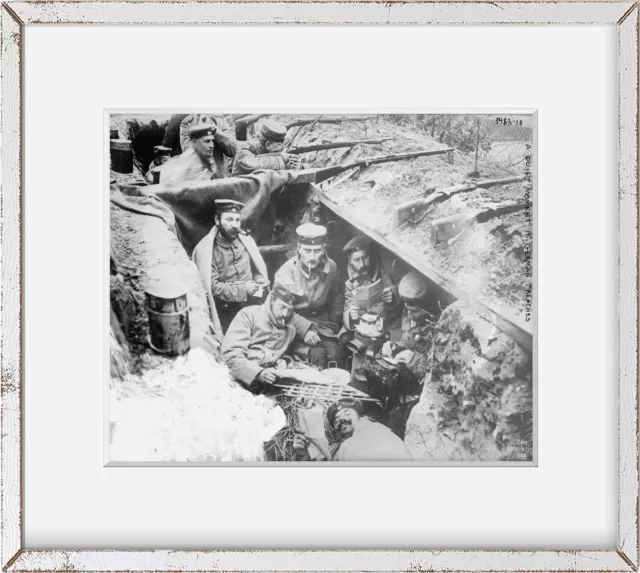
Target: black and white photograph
{"x":321,"y":287}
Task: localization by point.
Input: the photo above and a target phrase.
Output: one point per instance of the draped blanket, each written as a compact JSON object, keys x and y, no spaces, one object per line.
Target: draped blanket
{"x":188,"y":207}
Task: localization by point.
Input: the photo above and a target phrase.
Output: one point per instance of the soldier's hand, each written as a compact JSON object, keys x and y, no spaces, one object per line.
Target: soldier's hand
{"x":353,"y":313}
{"x":292,"y":161}
{"x":387,"y":349}
{"x":268,"y":376}
{"x":311,"y":338}
{"x":252,"y":287}
{"x":300,"y":444}
{"x":387,"y":295}
{"x":405,"y":356}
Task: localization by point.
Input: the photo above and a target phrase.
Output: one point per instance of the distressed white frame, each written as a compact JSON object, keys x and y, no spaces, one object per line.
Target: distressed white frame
{"x":623,"y":15}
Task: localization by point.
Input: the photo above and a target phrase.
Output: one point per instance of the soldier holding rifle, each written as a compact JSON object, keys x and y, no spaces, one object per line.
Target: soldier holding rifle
{"x":265,"y":152}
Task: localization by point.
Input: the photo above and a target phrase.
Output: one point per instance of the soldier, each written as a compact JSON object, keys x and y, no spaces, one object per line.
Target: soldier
{"x":161,"y":155}
{"x":204,"y":160}
{"x":361,"y":439}
{"x":417,"y":325}
{"x":265,"y":152}
{"x":230,"y":263}
{"x":260,"y":335}
{"x":318,"y":278}
{"x":412,"y":349}
{"x":224,"y":142}
{"x":363,"y":269}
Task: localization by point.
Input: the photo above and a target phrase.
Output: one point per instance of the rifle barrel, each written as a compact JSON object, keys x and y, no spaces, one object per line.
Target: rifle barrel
{"x":491,"y":182}
{"x":307,"y":121}
{"x":401,"y":156}
{"x":335,"y":145}
{"x":323,"y":173}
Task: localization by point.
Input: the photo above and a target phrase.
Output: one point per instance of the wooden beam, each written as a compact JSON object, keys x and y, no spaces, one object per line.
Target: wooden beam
{"x":273,"y":249}
{"x":504,"y":319}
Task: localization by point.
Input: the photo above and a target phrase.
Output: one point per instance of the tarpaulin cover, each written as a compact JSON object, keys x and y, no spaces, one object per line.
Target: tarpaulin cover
{"x":188,"y":207}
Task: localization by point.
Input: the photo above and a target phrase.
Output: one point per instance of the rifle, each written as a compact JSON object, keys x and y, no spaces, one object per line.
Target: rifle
{"x":308,"y":121}
{"x":415,"y":208}
{"x":323,"y":173}
{"x":335,"y":145}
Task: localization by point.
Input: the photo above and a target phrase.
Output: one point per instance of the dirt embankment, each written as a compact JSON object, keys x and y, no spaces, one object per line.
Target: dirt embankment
{"x":174,"y":409}
{"x":477,"y":401}
{"x":151,"y":257}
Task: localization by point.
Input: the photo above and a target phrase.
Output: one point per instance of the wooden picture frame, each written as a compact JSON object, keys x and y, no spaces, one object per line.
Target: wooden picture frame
{"x":16,"y":15}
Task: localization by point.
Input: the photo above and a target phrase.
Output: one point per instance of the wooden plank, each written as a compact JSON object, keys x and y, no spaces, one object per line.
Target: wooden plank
{"x":502,"y":318}
{"x":275,"y":249}
{"x":11,"y":280}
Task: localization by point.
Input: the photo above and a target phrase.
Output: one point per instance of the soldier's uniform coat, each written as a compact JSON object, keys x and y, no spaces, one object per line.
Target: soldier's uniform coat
{"x":231,"y":269}
{"x":322,"y":287}
{"x":371,"y":442}
{"x":203,"y":257}
{"x":354,"y":282}
{"x":189,"y":166}
{"x":248,"y":159}
{"x":418,"y":338}
{"x":255,"y":340}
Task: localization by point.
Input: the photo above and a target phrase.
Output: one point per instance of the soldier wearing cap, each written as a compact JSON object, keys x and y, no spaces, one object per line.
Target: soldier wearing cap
{"x":418,"y":319}
{"x":363,"y":270}
{"x":265,"y":152}
{"x":223,"y":140}
{"x":204,"y":159}
{"x":361,"y":439}
{"x":260,"y":335}
{"x":323,"y":303}
{"x":161,"y":155}
{"x":230,"y":263}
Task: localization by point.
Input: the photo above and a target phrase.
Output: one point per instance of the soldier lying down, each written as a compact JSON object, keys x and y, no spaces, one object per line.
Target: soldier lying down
{"x":361,"y":439}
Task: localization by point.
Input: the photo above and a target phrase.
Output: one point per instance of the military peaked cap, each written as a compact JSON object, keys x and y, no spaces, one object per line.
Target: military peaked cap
{"x":161,"y":150}
{"x":272,"y":130}
{"x":289,"y":293}
{"x":357,"y":244}
{"x":228,"y":206}
{"x":201,"y":129}
{"x":311,"y":234}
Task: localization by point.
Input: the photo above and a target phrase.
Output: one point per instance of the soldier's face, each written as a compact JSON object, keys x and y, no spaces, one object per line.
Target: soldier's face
{"x":272,"y":146}
{"x":361,"y":262}
{"x":345,"y":422}
{"x":282,"y":311}
{"x":229,"y":225}
{"x":204,"y":146}
{"x":162,"y":159}
{"x":311,"y":255}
